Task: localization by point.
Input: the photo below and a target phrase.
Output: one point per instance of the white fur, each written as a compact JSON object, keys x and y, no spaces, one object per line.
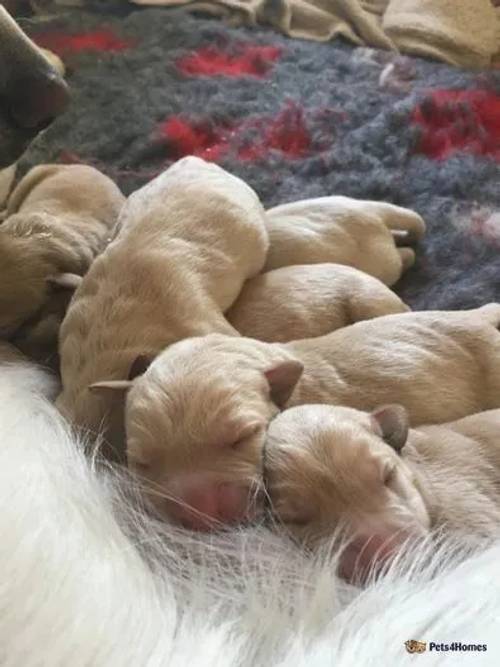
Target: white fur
{"x":76,"y":588}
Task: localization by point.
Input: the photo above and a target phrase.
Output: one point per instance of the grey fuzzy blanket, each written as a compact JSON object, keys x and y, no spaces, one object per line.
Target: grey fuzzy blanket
{"x":295,"y":119}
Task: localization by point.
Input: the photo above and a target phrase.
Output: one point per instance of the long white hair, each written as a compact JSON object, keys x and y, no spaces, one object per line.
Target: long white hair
{"x":88,"y":579}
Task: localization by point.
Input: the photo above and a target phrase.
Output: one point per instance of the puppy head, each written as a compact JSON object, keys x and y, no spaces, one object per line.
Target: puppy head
{"x":28,"y":278}
{"x":331,"y":468}
{"x":50,"y":188}
{"x":23,"y":286}
{"x":196,"y":423}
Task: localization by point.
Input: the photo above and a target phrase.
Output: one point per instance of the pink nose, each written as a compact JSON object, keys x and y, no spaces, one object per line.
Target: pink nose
{"x":205,"y":506}
{"x":367,"y":554}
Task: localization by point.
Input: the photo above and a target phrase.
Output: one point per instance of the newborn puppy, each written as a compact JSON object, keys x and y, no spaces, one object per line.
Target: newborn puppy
{"x":188,"y":240}
{"x":330,"y":468}
{"x":196,"y":420}
{"x":306,"y":301}
{"x":362,"y":234}
{"x":59,"y":219}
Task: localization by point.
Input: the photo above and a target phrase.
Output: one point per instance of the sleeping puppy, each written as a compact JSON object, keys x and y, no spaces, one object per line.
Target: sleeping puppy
{"x":32,"y":92}
{"x":59,"y":218}
{"x":188,"y":241}
{"x":306,"y":301}
{"x":362,"y":234}
{"x":196,"y":420}
{"x":331,"y":468}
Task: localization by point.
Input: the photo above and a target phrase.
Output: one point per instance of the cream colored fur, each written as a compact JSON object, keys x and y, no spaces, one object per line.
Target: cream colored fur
{"x":204,"y":405}
{"x":188,"y":241}
{"x":310,"y":300}
{"x":331,"y":467}
{"x":347,"y":231}
{"x":7,"y":177}
{"x":58,"y":219}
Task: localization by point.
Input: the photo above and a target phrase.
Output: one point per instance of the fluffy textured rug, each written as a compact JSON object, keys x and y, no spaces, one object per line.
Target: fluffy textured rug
{"x":295,"y":119}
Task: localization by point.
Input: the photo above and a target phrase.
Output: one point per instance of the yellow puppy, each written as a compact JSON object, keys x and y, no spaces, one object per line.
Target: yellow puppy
{"x":58,"y":219}
{"x":306,"y":301}
{"x":330,"y":468}
{"x":362,"y":234}
{"x":188,"y":240}
{"x":196,"y":420}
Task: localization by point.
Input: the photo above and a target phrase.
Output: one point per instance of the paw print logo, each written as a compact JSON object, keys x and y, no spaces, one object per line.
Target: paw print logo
{"x":414,"y":646}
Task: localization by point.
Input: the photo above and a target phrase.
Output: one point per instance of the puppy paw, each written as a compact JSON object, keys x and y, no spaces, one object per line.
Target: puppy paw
{"x":407,"y":257}
{"x":399,"y":219}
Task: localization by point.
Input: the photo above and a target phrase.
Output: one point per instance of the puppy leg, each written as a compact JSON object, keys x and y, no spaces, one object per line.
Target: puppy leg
{"x":407,"y":257}
{"x":398,"y":219}
{"x":364,"y":309}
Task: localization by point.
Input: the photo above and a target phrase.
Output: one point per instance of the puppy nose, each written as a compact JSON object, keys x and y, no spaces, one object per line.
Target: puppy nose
{"x":34,"y":101}
{"x":208,"y":506}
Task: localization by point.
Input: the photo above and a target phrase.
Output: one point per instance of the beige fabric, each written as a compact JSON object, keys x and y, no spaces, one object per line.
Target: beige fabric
{"x":320,"y":20}
{"x":460,"y":32}
{"x":496,"y":57}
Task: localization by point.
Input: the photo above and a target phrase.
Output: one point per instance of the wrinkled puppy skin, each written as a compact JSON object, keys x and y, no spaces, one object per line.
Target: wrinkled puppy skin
{"x":331,"y":469}
{"x":201,"y":411}
{"x":361,"y":234}
{"x":188,"y":240}
{"x":59,"y":218}
{"x":310,"y":300}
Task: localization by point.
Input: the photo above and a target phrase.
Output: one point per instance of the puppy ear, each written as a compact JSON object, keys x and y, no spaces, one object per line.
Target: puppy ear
{"x":391,"y":423}
{"x":69,"y":281}
{"x":111,"y":385}
{"x":139,"y":366}
{"x":282,"y":380}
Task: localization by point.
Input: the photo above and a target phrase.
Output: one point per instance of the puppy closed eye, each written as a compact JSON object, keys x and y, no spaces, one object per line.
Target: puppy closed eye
{"x":245,"y":435}
{"x":296,"y":520}
{"x":388,"y":474}
{"x":140,"y":467}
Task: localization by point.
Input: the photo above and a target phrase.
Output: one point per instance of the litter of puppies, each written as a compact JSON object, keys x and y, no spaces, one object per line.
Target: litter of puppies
{"x":231,"y":356}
